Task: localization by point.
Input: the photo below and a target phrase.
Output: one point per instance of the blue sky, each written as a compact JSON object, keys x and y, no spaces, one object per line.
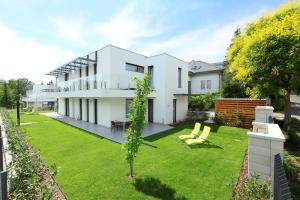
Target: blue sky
{"x":37,"y":36}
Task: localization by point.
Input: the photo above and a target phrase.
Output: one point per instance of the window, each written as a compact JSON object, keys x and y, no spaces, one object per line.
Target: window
{"x":179,"y":77}
{"x":95,"y":68}
{"x":150,"y":73}
{"x":128,"y":102}
{"x":202,"y":84}
{"x":208,"y":84}
{"x":134,"y":68}
{"x":66,"y":77}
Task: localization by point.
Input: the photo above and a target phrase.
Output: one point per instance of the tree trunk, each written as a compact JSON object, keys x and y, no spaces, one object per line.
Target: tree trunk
{"x":287,"y":110}
{"x":131,"y":167}
{"x":18,"y":113}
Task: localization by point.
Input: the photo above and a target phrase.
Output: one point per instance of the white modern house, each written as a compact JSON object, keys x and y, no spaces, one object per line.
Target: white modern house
{"x":98,"y":87}
{"x":40,"y":97}
{"x":204,"y":77}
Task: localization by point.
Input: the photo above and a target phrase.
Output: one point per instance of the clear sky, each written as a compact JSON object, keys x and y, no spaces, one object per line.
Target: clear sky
{"x":37,"y":36}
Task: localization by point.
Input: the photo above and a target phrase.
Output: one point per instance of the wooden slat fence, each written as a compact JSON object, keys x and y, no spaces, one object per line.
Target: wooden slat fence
{"x":231,"y":108}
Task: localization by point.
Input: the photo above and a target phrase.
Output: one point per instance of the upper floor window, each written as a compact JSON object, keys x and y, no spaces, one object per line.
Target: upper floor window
{"x":179,"y":77}
{"x":134,"y":68}
{"x":208,"y":84}
{"x":202,"y":84}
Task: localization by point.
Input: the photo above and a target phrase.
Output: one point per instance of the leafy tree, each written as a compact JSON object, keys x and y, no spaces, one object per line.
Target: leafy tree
{"x":232,"y":88}
{"x":265,"y":55}
{"x":5,"y":98}
{"x":137,"y":112}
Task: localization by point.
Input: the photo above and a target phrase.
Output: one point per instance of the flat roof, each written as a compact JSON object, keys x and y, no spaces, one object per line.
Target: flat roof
{"x":77,"y":63}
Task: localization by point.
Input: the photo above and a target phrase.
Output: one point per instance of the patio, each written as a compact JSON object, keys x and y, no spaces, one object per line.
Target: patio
{"x":106,"y":132}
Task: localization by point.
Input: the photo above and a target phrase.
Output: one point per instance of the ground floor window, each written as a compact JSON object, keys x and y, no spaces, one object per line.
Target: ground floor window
{"x":127,"y":105}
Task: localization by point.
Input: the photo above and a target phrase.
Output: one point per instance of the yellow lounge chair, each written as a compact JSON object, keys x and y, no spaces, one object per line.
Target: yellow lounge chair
{"x":201,"y":138}
{"x":193,"y":134}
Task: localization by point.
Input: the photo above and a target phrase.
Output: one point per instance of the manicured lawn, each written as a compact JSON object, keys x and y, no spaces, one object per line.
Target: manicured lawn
{"x":94,"y":168}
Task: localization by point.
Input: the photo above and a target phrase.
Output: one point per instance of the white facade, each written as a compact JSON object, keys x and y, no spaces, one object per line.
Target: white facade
{"x":205,"y":83}
{"x":40,"y":96}
{"x":205,"y":77}
{"x":99,"y":95}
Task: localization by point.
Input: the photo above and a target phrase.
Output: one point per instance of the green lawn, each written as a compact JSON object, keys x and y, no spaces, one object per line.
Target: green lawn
{"x":94,"y":168}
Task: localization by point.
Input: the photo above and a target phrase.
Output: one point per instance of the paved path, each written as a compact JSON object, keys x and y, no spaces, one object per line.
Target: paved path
{"x":295,"y":111}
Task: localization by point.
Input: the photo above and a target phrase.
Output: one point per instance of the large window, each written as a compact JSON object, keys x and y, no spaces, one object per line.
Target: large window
{"x":202,"y":84}
{"x":128,"y":102}
{"x":208,"y":84}
{"x":179,"y":77}
{"x":134,"y":68}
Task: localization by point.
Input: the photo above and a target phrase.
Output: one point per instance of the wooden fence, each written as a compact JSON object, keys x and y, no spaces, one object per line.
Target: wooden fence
{"x":233,"y":109}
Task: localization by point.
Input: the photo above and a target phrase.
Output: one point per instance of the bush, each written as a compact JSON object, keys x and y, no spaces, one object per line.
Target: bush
{"x":219,"y":119}
{"x":24,"y":175}
{"x":294,"y":132}
{"x":203,"y":101}
{"x":292,"y":169}
{"x":238,"y":120}
{"x":253,"y":188}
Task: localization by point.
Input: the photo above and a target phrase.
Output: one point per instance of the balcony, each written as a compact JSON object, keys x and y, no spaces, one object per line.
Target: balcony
{"x":95,"y":86}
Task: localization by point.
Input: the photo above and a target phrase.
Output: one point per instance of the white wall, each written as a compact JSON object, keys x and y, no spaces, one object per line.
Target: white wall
{"x":196,"y":83}
{"x":104,"y":112}
{"x":112,"y":70}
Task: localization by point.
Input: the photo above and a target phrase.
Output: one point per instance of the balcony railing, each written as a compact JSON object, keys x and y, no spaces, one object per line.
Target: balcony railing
{"x":94,"y":82}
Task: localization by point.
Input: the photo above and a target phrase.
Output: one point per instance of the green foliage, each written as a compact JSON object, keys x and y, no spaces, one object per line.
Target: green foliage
{"x":265,"y":56}
{"x":232,"y":88}
{"x":294,"y":132}
{"x":25,"y":183}
{"x":12,"y":91}
{"x":137,"y":112}
{"x":254,"y":189}
{"x":292,"y":169}
{"x":238,"y":120}
{"x":203,"y":101}
{"x":219,"y":119}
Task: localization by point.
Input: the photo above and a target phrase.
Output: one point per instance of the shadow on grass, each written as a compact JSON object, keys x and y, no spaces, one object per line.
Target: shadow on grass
{"x":149,"y":145}
{"x":206,"y":144}
{"x":163,"y":134}
{"x":153,"y":187}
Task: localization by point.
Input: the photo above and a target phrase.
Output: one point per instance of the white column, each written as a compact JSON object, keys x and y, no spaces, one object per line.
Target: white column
{"x":264,"y":142}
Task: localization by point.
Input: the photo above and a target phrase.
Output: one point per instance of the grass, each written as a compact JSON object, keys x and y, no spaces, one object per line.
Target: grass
{"x":94,"y":168}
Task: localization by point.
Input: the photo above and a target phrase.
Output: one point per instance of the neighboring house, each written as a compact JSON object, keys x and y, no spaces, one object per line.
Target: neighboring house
{"x":98,"y":87}
{"x":205,"y":77}
{"x":40,"y":97}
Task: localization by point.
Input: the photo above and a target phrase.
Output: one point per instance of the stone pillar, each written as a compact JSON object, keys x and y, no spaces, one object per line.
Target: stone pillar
{"x":264,"y":114}
{"x":264,"y":142}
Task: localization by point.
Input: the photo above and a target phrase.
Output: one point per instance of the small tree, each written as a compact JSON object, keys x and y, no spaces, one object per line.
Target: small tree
{"x":137,"y":112}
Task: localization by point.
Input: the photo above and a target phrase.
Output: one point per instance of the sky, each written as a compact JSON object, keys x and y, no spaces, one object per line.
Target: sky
{"x":37,"y":36}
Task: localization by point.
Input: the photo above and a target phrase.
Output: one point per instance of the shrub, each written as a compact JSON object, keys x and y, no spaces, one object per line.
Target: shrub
{"x":292,"y":169}
{"x":294,"y":132}
{"x":203,"y":101}
{"x":24,"y":168}
{"x":253,"y":188}
{"x":219,"y":119}
{"x":238,"y":120}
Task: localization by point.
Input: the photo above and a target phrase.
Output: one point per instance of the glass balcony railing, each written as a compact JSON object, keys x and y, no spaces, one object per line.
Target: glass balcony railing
{"x":94,"y":82}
